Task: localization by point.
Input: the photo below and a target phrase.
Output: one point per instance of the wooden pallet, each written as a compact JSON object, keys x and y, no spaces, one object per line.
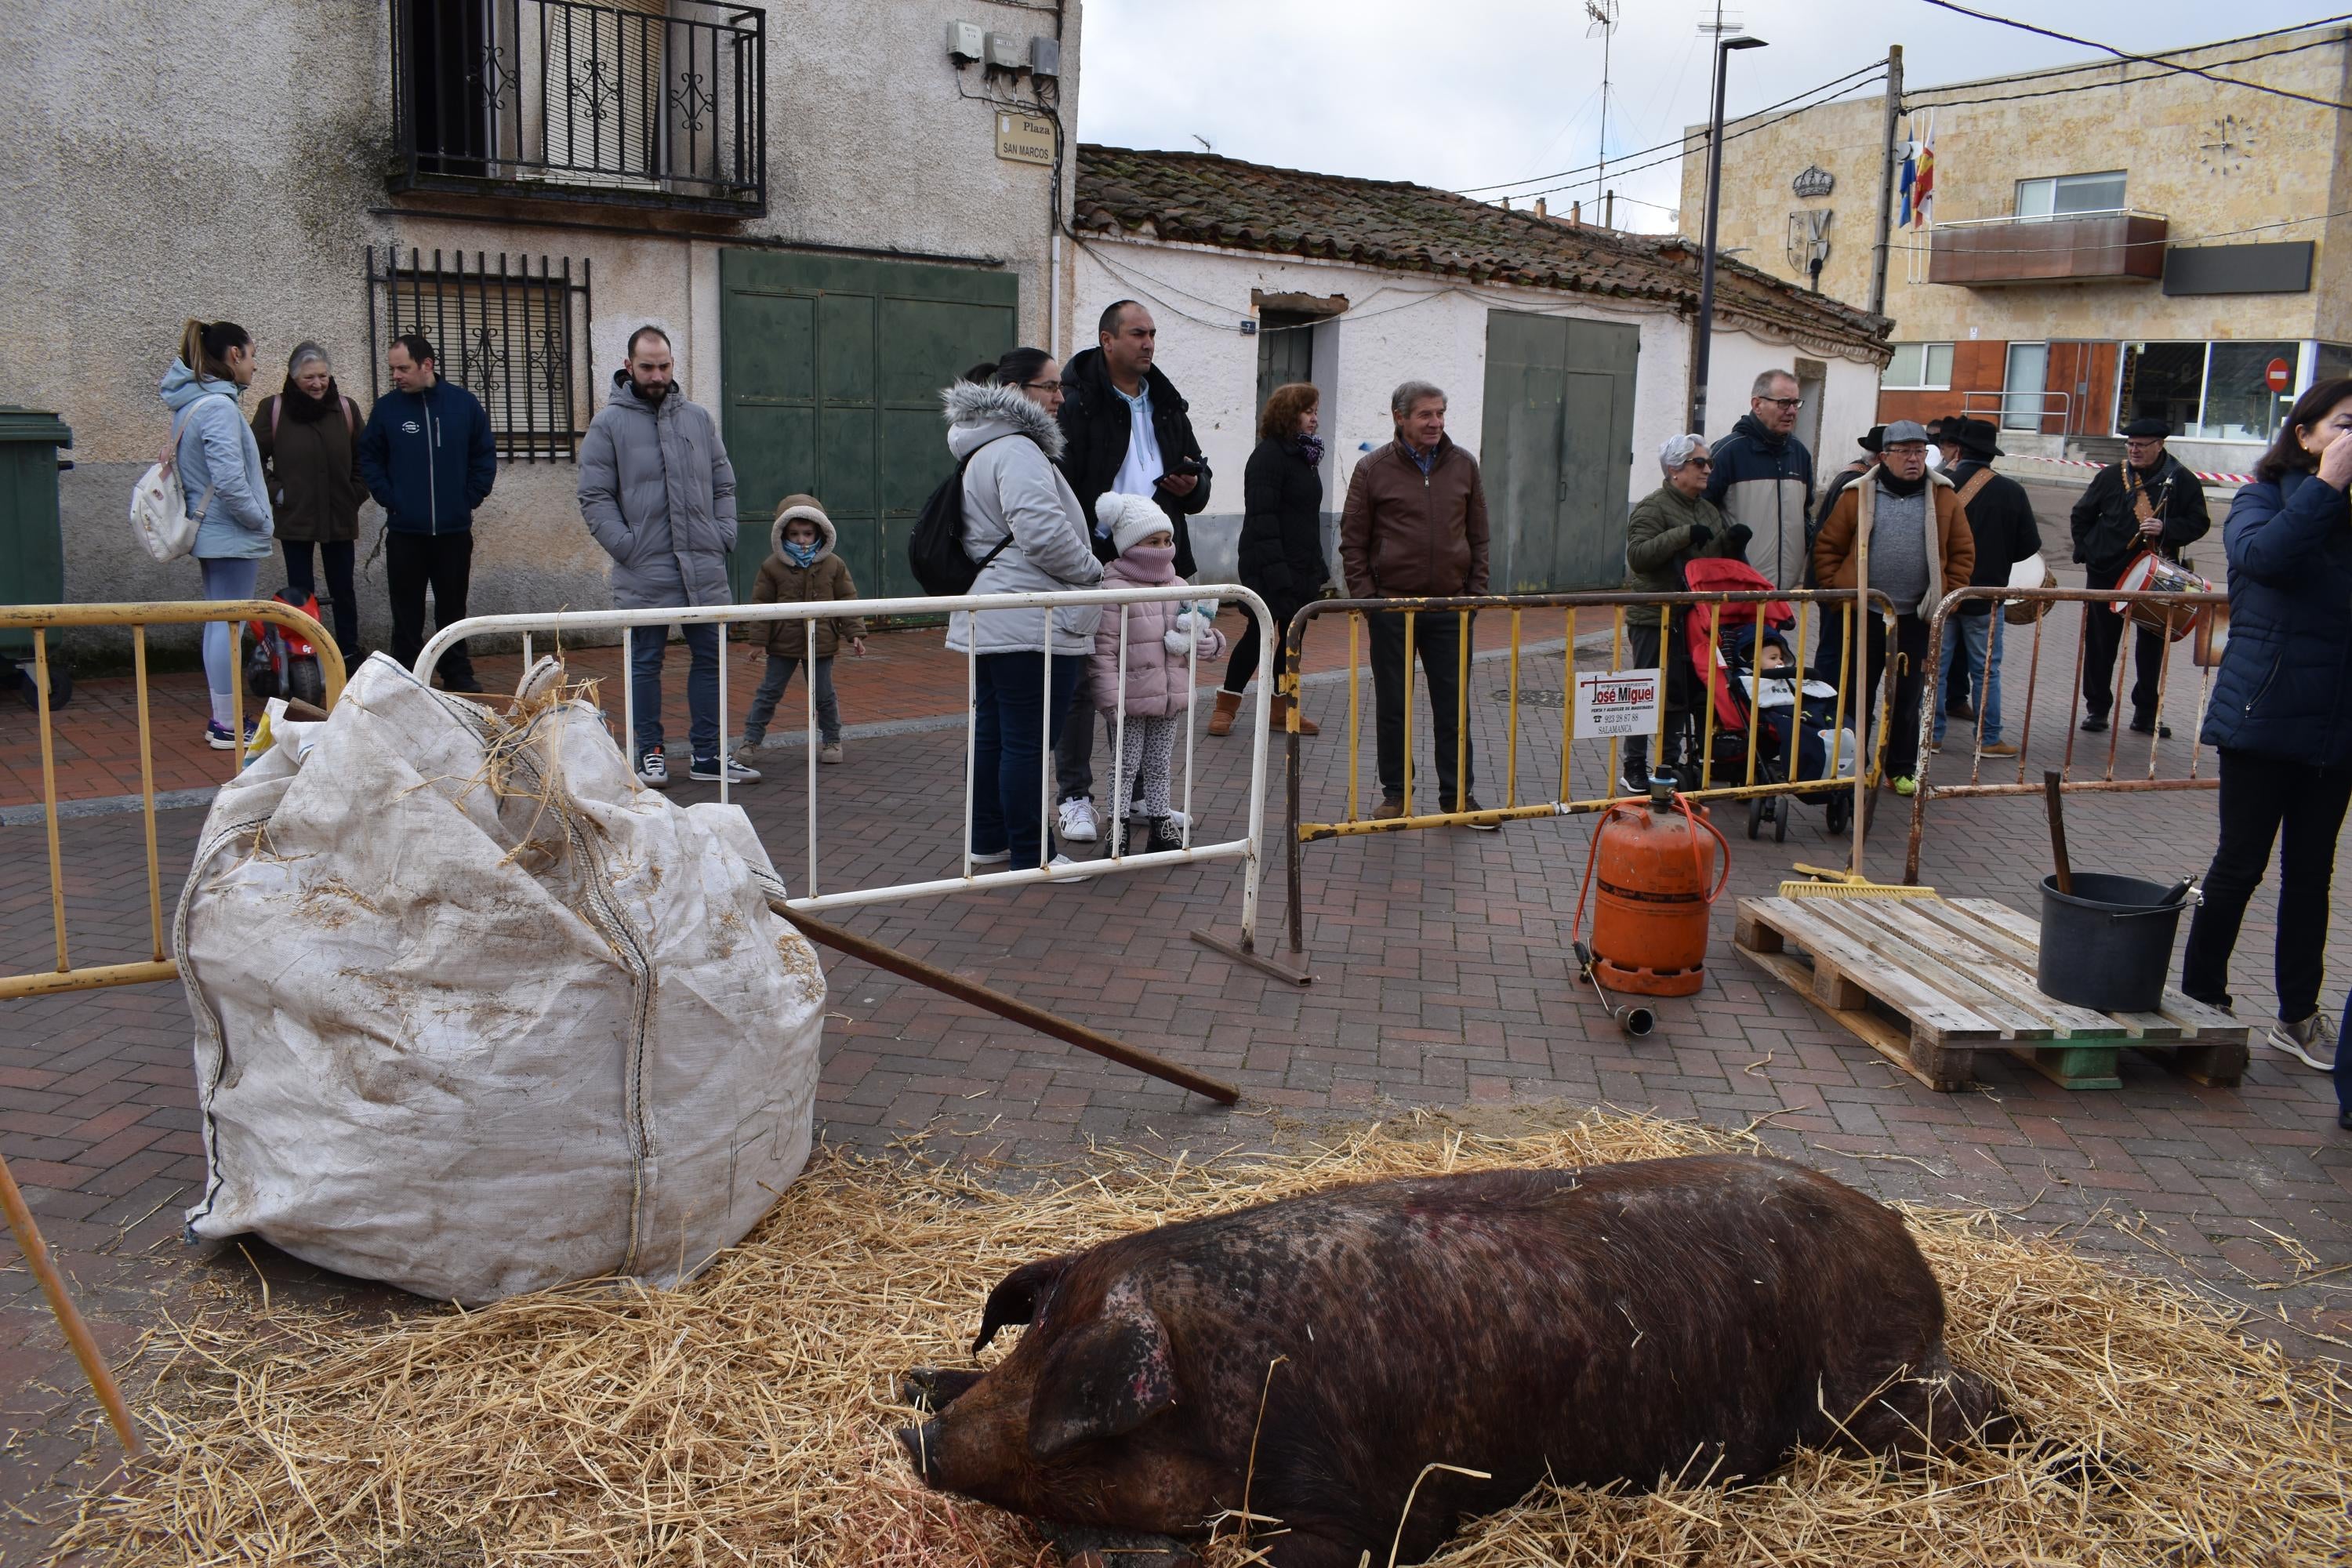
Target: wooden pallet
{"x":1927,"y":982}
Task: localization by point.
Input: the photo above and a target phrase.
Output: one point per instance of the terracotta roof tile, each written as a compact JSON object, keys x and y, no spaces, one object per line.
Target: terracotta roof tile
{"x":1201,"y":198}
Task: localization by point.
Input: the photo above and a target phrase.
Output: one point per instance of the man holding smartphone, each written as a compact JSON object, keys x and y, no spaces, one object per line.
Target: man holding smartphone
{"x":1129,"y":433}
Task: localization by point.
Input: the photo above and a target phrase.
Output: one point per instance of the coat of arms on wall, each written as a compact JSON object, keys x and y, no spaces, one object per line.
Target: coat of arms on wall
{"x":1809,"y":239}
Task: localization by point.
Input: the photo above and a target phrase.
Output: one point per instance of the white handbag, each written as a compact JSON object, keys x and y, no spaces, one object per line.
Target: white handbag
{"x":159,"y":508}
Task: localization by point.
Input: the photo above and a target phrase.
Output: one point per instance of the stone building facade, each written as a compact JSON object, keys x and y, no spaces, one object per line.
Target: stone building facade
{"x":2106,"y":241}
{"x":815,"y":202}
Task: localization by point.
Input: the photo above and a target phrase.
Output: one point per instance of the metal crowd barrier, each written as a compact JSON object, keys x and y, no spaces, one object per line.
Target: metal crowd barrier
{"x":1812,"y":606}
{"x":40,"y":619}
{"x":2176,"y":608}
{"x":1247,"y":849}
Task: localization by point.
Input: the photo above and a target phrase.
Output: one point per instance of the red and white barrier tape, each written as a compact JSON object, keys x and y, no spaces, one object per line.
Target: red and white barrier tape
{"x":2087,"y":463}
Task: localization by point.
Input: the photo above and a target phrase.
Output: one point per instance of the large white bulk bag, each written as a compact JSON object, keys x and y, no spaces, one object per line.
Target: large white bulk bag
{"x":475,"y":1014}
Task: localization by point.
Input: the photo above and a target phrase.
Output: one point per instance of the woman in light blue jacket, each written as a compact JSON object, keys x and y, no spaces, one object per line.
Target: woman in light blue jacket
{"x":219,"y":467}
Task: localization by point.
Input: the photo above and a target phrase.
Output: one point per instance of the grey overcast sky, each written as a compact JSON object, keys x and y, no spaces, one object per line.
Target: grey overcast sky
{"x":1483,"y":92}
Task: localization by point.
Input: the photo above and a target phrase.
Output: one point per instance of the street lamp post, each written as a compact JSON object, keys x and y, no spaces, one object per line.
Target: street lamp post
{"x":1701,"y":350}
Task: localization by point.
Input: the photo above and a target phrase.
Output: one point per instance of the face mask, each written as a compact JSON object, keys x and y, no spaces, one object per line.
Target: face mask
{"x":800,"y":554}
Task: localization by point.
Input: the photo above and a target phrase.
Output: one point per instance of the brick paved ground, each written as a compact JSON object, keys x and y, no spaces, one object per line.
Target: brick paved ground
{"x":1442,"y":982}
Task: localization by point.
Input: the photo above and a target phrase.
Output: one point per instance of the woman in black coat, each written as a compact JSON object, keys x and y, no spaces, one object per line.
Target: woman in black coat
{"x":1282,"y":558}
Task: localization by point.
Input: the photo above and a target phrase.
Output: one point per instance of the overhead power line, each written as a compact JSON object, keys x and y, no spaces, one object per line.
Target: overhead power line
{"x":2141,"y":59}
{"x":2045,"y":72}
{"x":1925,"y":98}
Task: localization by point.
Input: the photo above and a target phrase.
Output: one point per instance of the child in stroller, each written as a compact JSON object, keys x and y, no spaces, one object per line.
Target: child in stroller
{"x":1739,"y":658}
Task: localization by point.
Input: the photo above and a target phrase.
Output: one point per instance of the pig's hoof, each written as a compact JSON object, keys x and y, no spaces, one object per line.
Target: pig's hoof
{"x":930,"y":1389}
{"x":1090,"y":1546}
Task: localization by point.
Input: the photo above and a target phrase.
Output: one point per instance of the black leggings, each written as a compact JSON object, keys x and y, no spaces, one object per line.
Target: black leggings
{"x":1244,"y":664}
{"x":2300,"y":808}
{"x":335,"y":555}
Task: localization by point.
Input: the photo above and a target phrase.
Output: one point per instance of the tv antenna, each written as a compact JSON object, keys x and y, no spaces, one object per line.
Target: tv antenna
{"x":1604,"y":23}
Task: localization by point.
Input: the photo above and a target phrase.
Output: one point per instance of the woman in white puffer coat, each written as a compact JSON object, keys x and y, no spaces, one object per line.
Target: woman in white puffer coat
{"x":1022,"y":520}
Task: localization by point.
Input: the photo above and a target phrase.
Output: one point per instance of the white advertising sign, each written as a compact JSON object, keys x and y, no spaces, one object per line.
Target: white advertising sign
{"x":1616,"y":702}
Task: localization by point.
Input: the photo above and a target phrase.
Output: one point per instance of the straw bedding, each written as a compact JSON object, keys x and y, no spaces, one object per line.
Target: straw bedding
{"x":747,"y":1417}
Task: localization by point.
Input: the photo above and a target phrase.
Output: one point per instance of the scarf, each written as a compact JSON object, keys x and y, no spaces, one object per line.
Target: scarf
{"x":1895,"y":487}
{"x":304,"y":409}
{"x":1309,"y":449}
{"x":800,"y":554}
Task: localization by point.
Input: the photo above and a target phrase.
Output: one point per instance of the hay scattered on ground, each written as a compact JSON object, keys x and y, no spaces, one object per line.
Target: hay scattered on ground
{"x":747,"y":1418}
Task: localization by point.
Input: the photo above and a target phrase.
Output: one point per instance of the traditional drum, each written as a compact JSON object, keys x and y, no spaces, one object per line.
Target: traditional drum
{"x":2152,"y":573}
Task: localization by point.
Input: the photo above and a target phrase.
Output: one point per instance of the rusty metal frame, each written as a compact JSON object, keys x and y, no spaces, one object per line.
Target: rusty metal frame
{"x":1301,"y":832}
{"x":2183,"y":605}
{"x":40,"y":619}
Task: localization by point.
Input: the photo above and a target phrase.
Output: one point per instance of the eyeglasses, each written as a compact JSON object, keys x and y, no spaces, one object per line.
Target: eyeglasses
{"x":1783,"y":402}
{"x":1699,"y":462}
{"x":1043,"y":385}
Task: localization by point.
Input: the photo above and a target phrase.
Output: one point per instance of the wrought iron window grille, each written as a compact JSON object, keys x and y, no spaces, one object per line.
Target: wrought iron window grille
{"x":515,"y":338}
{"x":640,"y":103}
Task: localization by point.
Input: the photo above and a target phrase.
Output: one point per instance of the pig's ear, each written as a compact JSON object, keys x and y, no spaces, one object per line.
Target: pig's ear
{"x":1018,"y":1296}
{"x":1104,"y":1378}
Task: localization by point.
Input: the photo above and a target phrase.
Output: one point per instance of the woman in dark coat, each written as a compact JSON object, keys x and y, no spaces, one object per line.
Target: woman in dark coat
{"x":2281,"y":715}
{"x":1282,"y":558}
{"x":309,"y":438}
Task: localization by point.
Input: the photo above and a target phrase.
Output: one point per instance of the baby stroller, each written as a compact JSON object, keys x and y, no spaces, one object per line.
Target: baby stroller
{"x":1753,"y":682}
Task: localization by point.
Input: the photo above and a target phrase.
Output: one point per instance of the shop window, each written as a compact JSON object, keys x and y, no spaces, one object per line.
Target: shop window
{"x":1924,"y":367}
{"x":2162,"y":381}
{"x":2067,"y":195}
{"x":2239,"y":403}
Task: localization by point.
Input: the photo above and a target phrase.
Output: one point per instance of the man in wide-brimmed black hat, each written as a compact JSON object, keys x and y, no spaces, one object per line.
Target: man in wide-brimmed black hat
{"x":2000,"y":519}
{"x":2147,"y":501}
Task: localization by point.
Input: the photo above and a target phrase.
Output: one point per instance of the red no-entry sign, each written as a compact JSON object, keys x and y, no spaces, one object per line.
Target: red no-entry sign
{"x":2278,"y":373}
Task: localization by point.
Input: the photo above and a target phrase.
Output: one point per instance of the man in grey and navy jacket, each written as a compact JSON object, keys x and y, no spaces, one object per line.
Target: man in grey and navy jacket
{"x":1763,"y":477}
{"x":428,"y":459}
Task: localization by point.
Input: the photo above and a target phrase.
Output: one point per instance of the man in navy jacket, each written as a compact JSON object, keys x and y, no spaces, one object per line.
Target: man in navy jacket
{"x":427,"y":458}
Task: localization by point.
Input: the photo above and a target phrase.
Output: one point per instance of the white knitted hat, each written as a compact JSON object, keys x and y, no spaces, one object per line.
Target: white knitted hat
{"x":1131,"y":519}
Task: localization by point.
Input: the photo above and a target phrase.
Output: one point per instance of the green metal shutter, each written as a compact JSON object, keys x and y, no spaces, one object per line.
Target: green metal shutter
{"x":1556,"y":450}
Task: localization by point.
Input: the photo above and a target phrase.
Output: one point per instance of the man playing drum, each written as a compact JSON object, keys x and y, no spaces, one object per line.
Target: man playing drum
{"x":2146,"y":502}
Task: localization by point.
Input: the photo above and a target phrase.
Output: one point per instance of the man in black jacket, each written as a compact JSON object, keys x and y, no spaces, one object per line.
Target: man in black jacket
{"x":1127,"y":431}
{"x":2147,"y":501}
{"x":2002,"y":518}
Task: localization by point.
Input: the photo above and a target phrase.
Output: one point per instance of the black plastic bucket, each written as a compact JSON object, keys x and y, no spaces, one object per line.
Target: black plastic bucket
{"x":2108,"y":944}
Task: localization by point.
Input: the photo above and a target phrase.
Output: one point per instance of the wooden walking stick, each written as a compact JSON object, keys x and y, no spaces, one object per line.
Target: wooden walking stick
{"x":53,"y":1285}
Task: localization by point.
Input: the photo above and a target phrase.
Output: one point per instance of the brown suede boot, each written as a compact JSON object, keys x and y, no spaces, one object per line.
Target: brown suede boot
{"x":1277,"y":719}
{"x":1221,"y":723}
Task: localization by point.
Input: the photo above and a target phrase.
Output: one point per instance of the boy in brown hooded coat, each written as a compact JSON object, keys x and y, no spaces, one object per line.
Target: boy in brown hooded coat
{"x":802,"y":567}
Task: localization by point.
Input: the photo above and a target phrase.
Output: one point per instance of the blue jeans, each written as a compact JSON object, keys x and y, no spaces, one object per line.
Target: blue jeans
{"x":1013,"y":721}
{"x":1980,"y":644}
{"x":646,"y":644}
{"x":226,"y":577}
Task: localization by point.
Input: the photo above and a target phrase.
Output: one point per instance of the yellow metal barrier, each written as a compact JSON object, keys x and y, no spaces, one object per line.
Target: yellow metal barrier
{"x":1841,"y":773}
{"x":41,"y":619}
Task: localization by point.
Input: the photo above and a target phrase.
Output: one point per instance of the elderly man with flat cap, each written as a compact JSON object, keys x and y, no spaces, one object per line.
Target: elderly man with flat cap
{"x":2147,"y":501}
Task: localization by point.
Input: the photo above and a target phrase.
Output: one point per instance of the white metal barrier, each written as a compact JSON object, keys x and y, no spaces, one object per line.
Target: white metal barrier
{"x":1247,"y":849}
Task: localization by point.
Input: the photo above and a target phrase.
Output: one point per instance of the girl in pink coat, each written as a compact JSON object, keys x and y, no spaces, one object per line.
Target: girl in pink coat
{"x":1160,"y":638}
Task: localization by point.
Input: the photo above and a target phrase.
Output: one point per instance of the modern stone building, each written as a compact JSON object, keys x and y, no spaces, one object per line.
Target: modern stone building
{"x":830,"y":208}
{"x":1565,"y":350}
{"x":2106,"y":241}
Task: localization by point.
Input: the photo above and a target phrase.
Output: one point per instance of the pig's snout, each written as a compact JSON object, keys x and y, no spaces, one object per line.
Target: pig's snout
{"x":922,"y":1446}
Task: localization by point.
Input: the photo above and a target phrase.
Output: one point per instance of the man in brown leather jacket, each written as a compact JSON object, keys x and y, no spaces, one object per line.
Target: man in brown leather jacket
{"x":1414,"y":525}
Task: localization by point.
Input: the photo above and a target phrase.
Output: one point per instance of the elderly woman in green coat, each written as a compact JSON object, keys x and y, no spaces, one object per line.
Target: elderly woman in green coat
{"x":1672,"y":524}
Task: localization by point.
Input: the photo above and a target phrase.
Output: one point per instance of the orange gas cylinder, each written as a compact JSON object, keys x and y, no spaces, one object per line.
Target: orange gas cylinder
{"x":1660,"y":866}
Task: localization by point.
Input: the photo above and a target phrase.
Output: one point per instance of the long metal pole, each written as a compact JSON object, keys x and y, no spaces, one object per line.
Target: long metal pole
{"x":1704,"y":333}
{"x":1886,"y":179}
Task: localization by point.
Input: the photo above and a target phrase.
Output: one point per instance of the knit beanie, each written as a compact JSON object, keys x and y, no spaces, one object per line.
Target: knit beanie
{"x":1131,"y":519}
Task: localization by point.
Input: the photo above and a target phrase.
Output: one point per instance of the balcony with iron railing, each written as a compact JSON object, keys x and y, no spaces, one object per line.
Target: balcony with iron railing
{"x":2119,"y":245}
{"x":635,"y":102}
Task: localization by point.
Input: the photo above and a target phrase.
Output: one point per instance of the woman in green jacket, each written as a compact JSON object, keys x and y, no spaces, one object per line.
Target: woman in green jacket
{"x":1672,"y":524}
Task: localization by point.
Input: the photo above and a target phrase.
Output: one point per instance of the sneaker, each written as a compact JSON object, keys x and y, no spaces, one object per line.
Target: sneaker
{"x":829,"y":752}
{"x":1165,"y":837}
{"x":2311,"y":1042}
{"x":991,"y":856}
{"x":219,"y":738}
{"x":1076,"y":821}
{"x":1906,"y":786}
{"x":1391,"y":807}
{"x":1470,"y":803}
{"x":653,"y":770}
{"x":1999,"y":749}
{"x":1060,"y":865}
{"x":705,"y":768}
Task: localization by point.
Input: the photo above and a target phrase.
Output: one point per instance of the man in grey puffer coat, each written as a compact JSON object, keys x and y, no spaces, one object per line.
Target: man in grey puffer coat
{"x":658,"y":493}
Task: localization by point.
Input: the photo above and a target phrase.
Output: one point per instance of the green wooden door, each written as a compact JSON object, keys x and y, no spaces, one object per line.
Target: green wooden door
{"x":830,"y":385}
{"x":1556,"y":450}
{"x":1286,"y":353}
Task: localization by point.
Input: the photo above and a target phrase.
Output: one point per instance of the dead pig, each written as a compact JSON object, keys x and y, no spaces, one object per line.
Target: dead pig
{"x":1663,"y":1318}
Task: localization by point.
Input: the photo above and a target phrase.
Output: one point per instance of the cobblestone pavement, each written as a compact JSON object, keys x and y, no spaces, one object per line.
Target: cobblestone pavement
{"x":1441,"y":981}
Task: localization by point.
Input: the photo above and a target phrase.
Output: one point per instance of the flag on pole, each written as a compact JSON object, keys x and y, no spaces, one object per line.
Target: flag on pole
{"x":1910,"y":175}
{"x":1923,"y":210}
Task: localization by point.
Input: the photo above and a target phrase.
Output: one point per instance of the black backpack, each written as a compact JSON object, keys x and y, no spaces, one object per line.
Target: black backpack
{"x":935,"y":549}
